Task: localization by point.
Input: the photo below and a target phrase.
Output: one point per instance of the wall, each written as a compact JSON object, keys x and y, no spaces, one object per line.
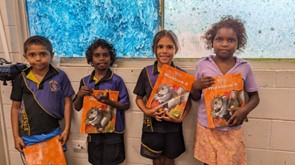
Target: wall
{"x":269,"y":133}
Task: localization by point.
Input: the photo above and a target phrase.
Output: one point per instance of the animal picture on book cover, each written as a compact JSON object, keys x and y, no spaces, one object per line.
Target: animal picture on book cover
{"x":98,"y":117}
{"x":221,"y":104}
{"x":225,"y":93}
{"x":170,"y":98}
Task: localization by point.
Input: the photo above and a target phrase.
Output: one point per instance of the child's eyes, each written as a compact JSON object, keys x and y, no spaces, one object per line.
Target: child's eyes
{"x":43,"y":54}
{"x":104,"y":55}
{"x":218,"y":39}
{"x":31,"y":55}
{"x":34,"y":54}
{"x":168,"y":47}
{"x":231,"y":40}
{"x":160,"y":46}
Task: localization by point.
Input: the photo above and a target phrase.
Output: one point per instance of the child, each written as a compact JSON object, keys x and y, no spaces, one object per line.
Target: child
{"x":104,"y":148}
{"x":162,"y":137}
{"x":41,"y":96}
{"x":223,"y":145}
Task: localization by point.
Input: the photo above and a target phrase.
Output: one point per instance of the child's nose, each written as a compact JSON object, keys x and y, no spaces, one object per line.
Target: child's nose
{"x":224,"y":43}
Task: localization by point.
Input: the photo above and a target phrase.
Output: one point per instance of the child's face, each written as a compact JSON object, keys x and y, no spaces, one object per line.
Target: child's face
{"x":101,"y":59}
{"x":225,"y":43}
{"x":38,"y":57}
{"x":165,"y":50}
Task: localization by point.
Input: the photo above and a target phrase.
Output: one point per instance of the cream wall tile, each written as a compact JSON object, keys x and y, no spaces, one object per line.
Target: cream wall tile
{"x":277,"y":103}
{"x":187,"y":158}
{"x":133,"y":152}
{"x":12,"y":39}
{"x":5,"y":92}
{"x":10,"y":139}
{"x":282,"y":135}
{"x":8,"y":16}
{"x":76,"y":120}
{"x":257,"y":133}
{"x":76,"y":73}
{"x":71,"y":153}
{"x":77,"y":161}
{"x":7,"y":116}
{"x":134,"y":122}
{"x":268,"y":157}
{"x":132,"y":97}
{"x":285,"y":79}
{"x":75,"y":85}
{"x":1,"y":50}
{"x":189,"y":128}
{"x":265,"y":78}
{"x":129,"y":75}
{"x":15,"y":158}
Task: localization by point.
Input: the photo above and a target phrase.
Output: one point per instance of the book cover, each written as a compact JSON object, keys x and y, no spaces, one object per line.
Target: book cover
{"x":98,"y":117}
{"x":171,"y":90}
{"x":47,"y":152}
{"x":227,"y":92}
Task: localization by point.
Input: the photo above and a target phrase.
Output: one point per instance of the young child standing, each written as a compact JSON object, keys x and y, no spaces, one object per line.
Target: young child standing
{"x":104,"y":148}
{"x":162,"y":136}
{"x":223,"y":145}
{"x":41,"y":96}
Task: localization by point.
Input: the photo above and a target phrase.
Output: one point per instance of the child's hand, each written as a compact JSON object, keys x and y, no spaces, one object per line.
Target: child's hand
{"x":64,"y":137}
{"x":155,"y":113}
{"x":239,"y":115}
{"x":19,"y":144}
{"x":168,"y":117}
{"x":203,"y":82}
{"x":102,"y":98}
{"x":84,"y":91}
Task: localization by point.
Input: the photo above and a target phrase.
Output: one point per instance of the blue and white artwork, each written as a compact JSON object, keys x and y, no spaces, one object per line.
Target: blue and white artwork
{"x":72,"y":25}
{"x":269,"y":25}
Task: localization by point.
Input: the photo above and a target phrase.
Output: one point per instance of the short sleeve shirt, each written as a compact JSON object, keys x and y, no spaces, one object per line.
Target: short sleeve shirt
{"x":207,"y":67}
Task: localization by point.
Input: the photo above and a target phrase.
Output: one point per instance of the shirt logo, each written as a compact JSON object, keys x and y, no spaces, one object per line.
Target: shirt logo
{"x":53,"y":85}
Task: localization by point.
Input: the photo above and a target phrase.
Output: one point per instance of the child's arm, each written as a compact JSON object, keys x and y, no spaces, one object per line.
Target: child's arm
{"x":171,"y":118}
{"x":18,"y":141}
{"x":67,"y":117}
{"x":78,"y":102}
{"x":240,"y":113}
{"x":149,"y":112}
{"x":200,"y":84}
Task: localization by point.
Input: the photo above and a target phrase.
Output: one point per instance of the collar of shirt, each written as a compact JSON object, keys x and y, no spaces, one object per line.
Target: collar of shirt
{"x":106,"y":77}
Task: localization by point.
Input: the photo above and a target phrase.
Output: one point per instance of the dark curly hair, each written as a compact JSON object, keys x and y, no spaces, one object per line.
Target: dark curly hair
{"x":227,"y":22}
{"x":38,"y":40}
{"x":100,"y":43}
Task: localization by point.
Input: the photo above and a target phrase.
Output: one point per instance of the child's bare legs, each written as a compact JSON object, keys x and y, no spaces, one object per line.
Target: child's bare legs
{"x":163,"y":160}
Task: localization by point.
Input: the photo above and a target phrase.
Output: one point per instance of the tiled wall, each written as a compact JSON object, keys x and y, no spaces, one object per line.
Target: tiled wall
{"x":269,"y":133}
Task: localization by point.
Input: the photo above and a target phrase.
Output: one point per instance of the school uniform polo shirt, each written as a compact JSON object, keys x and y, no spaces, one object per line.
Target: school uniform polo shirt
{"x":143,"y":88}
{"x":42,"y":103}
{"x":113,"y":82}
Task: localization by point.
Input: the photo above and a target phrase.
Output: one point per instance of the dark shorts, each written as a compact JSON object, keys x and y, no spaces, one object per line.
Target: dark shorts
{"x":106,"y":149}
{"x":154,"y":144}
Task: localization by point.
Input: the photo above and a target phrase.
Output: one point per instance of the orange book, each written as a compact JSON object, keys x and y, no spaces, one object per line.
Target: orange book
{"x":47,"y":152}
{"x":98,"y":117}
{"x":171,"y":90}
{"x":228,"y":91}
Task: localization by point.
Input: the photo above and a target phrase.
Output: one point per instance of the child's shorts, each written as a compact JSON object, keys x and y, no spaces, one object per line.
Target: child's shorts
{"x":106,"y":149}
{"x":220,"y":147}
{"x":154,"y":144}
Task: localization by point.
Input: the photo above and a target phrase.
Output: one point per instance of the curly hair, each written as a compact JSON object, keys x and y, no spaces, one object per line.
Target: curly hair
{"x":227,"y":22}
{"x":100,"y":43}
{"x":38,"y":40}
